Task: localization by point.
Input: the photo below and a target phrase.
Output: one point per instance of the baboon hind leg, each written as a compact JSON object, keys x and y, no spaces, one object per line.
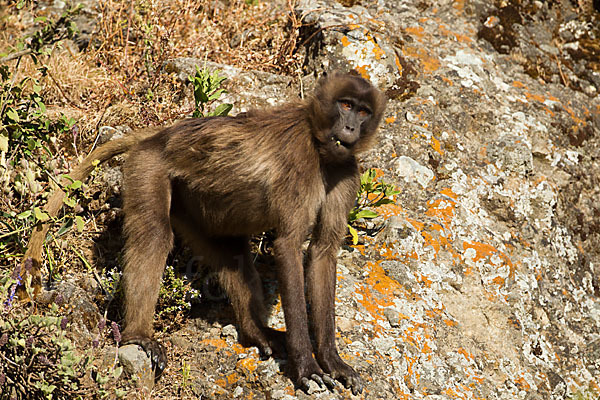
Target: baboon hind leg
{"x":149,"y":239}
{"x":230,"y":257}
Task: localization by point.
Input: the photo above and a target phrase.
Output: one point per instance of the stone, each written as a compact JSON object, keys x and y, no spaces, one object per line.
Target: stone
{"x":136,"y":363}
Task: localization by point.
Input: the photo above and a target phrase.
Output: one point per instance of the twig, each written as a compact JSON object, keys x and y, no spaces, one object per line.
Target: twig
{"x":62,"y":92}
{"x":564,"y":79}
{"x":14,"y":55}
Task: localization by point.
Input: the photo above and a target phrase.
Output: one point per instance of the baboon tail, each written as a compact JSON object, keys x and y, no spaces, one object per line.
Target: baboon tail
{"x":32,"y":259}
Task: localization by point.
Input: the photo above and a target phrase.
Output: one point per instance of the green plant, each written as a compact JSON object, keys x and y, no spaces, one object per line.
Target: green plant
{"x":371,"y":194}
{"x":185,"y":374}
{"x":26,"y":132}
{"x":206,"y":90}
{"x":174,"y":298}
{"x":585,"y":394}
{"x":38,"y":360}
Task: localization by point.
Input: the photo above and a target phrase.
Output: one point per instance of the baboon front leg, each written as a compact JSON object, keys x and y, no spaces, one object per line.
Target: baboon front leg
{"x":321,"y":284}
{"x":149,"y":239}
{"x":302,"y":365}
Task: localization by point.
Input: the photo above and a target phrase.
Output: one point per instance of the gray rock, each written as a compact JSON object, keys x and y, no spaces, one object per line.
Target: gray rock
{"x":136,"y":363}
{"x":230,"y":331}
{"x":512,"y":153}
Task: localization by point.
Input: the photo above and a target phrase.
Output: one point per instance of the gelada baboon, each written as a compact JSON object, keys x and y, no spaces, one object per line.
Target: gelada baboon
{"x":216,"y":181}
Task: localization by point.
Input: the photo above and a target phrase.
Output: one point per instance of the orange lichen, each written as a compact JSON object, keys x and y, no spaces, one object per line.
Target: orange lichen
{"x":362,"y":70}
{"x":390,"y":120}
{"x":377,"y":51}
{"x":221,"y":382}
{"x":345,"y":41}
{"x":574,"y":116}
{"x":429,"y":62}
{"x":518,"y":84}
{"x":443,"y":210}
{"x":459,"y":5}
{"x":436,"y":145}
{"x":536,"y":97}
{"x":484,"y":251}
{"x":457,"y":36}
{"x":398,"y":64}
{"x":388,"y":210}
{"x":417,"y":31}
{"x":247,"y":363}
{"x":448,"y":192}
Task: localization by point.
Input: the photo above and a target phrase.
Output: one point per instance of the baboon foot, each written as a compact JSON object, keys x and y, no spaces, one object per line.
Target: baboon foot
{"x":306,"y":370}
{"x":154,"y":350}
{"x":276,"y":342}
{"x":342,"y":372}
{"x":269,"y":341}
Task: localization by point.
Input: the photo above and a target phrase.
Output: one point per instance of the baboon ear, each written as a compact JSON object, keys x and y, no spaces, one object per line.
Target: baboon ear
{"x":327,"y":75}
{"x":354,"y":72}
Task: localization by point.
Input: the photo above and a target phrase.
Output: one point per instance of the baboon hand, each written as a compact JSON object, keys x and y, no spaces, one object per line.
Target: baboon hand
{"x":155,"y":351}
{"x":342,"y":372}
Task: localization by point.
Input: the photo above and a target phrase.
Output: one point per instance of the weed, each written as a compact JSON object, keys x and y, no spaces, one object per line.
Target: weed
{"x":207,"y":88}
{"x":371,"y":194}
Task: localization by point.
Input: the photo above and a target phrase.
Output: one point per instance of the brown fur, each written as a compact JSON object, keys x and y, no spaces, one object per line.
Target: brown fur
{"x":215,"y":182}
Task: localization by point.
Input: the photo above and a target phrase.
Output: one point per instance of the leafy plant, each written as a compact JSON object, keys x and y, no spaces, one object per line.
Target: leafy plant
{"x":371,"y":194}
{"x":206,"y":90}
{"x":585,"y":394}
{"x":38,"y":360}
{"x":174,"y":298}
{"x":26,"y":132}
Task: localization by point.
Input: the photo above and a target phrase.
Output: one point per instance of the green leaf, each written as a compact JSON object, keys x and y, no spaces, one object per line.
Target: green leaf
{"x":3,"y":143}
{"x":366,"y":214}
{"x":79,"y":222}
{"x":75,"y":185}
{"x":222,"y":110}
{"x":384,"y":201}
{"x":69,"y":201}
{"x":13,"y":115}
{"x":354,"y":234}
{"x":40,"y":215}
{"x":65,"y":227}
{"x":24,"y":214}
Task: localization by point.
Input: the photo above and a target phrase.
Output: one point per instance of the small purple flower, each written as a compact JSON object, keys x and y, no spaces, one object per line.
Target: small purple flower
{"x":95,"y":343}
{"x":59,"y":299}
{"x":101,"y":324}
{"x":116,"y":332}
{"x":63,"y":323}
{"x":3,"y":339}
{"x":16,"y":274}
{"x":29,"y":342}
{"x":44,"y":360}
{"x":2,"y":379}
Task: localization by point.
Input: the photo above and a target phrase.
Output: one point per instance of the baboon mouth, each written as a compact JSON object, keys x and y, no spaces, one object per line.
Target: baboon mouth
{"x":340,"y":143}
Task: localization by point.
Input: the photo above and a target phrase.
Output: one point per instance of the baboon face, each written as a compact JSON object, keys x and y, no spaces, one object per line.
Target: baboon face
{"x":346,"y":112}
{"x":353,"y":113}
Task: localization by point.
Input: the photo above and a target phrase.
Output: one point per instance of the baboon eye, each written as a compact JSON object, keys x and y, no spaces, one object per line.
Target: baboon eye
{"x":363,"y":112}
{"x":346,"y":105}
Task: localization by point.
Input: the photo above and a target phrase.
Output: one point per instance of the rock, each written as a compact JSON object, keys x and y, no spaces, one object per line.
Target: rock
{"x":511,"y":153}
{"x":392,"y":315}
{"x":230,"y":331}
{"x":136,"y":363}
{"x":413,"y":172}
